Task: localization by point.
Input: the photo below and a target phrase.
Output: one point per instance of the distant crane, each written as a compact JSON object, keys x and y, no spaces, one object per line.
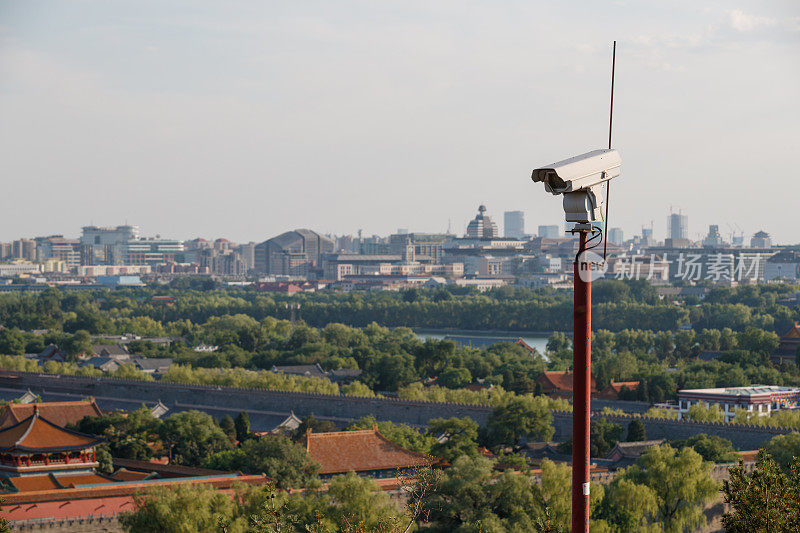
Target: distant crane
{"x":736,"y":239}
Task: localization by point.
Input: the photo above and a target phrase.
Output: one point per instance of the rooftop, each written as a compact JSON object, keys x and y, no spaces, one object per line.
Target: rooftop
{"x":360,"y":451}
{"x":59,"y":413}
{"x":37,"y":434}
{"x":753,"y":390}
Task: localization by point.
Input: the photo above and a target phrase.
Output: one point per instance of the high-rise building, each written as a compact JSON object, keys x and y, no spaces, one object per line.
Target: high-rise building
{"x":713,"y":239}
{"x":428,"y":247}
{"x":24,"y":249}
{"x":70,"y":251}
{"x":615,"y":236}
{"x":514,"y":224}
{"x":482,"y":226}
{"x":549,"y":232}
{"x":761,"y":240}
{"x":101,"y":243}
{"x":677,"y":226}
{"x":294,"y":253}
{"x":148,"y":251}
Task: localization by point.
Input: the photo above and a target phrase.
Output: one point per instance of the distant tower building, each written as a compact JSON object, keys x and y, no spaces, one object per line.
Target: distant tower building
{"x":294,"y":253}
{"x":615,"y":236}
{"x":713,"y":239}
{"x":677,"y":226}
{"x":24,"y":249}
{"x":549,"y":232}
{"x":514,"y":224}
{"x":482,"y":226}
{"x":761,"y":240}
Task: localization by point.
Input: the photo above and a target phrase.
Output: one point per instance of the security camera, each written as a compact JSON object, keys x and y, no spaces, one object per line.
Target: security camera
{"x":578,"y":179}
{"x":579,"y":172}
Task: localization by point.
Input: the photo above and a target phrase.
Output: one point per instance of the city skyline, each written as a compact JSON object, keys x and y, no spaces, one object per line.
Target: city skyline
{"x":194,"y":119}
{"x":530,"y":227}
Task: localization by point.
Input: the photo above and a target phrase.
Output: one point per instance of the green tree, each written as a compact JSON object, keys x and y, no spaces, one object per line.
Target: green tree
{"x":454,"y":378}
{"x":78,"y":343}
{"x":469,"y":497}
{"x":191,"y":436}
{"x":628,"y":506}
{"x":315,"y":425}
{"x":518,"y":418}
{"x":681,"y":481}
{"x":4,"y":527}
{"x":178,"y":509}
{"x":700,"y":412}
{"x":711,"y":448}
{"x":636,"y":431}
{"x":461,"y":436}
{"x":12,"y":342}
{"x":604,"y":436}
{"x":784,"y":449}
{"x":242,"y":426}
{"x":354,"y":504}
{"x":128,"y":436}
{"x":400,"y":434}
{"x":276,"y":456}
{"x":762,"y":501}
{"x":228,"y":426}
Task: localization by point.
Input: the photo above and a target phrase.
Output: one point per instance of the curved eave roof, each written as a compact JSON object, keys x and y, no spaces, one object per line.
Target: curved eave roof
{"x":38,"y":435}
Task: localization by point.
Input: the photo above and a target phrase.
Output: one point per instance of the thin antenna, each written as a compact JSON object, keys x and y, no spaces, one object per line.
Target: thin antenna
{"x":610,"y":124}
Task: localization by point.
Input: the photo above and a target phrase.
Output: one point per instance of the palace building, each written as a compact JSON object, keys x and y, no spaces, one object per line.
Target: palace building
{"x":59,"y":413}
{"x":365,"y":452}
{"x":49,"y":473}
{"x":34,"y":451}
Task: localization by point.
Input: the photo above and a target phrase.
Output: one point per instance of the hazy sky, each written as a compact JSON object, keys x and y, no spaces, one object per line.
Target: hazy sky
{"x":246,"y":119}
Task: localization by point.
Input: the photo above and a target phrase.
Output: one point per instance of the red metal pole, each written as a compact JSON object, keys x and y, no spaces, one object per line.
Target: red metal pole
{"x":581,"y":386}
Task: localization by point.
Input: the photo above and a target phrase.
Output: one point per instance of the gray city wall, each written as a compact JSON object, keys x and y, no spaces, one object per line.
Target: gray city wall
{"x":267,"y":407}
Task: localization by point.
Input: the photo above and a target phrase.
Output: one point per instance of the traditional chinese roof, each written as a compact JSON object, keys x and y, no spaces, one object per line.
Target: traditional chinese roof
{"x":54,"y":482}
{"x":632,"y":449}
{"x":28,"y":397}
{"x":360,"y":451}
{"x":60,"y":413}
{"x":314,"y":371}
{"x":793,"y":333}
{"x":290,"y":423}
{"x":39,"y":435}
{"x":123,"y":474}
{"x":615,"y":387}
{"x":117,"y":351}
{"x":561,"y":381}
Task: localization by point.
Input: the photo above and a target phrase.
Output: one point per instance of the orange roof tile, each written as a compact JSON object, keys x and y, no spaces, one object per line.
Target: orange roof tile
{"x":76,"y":480}
{"x":125,"y":489}
{"x":748,"y":455}
{"x":618,"y":385}
{"x":130,"y":475}
{"x":561,"y":380}
{"x":793,"y":333}
{"x":60,"y":413}
{"x":360,"y":451}
{"x":37,"y":434}
{"x":31,"y":483}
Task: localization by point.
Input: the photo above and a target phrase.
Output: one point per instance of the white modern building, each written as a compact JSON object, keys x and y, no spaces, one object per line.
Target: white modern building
{"x":757,"y":399}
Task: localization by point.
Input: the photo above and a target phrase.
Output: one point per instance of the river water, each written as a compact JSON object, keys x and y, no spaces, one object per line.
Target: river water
{"x":534,"y":341}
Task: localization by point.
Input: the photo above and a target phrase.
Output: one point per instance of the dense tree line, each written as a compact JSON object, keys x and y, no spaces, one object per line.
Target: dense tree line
{"x":619,"y":305}
{"x":251,"y":336}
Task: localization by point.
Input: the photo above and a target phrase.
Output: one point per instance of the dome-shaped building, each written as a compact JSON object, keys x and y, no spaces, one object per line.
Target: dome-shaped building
{"x":482,"y":226}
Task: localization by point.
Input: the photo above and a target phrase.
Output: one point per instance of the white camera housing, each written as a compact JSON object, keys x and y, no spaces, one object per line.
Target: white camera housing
{"x":578,"y":179}
{"x":580,"y":172}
